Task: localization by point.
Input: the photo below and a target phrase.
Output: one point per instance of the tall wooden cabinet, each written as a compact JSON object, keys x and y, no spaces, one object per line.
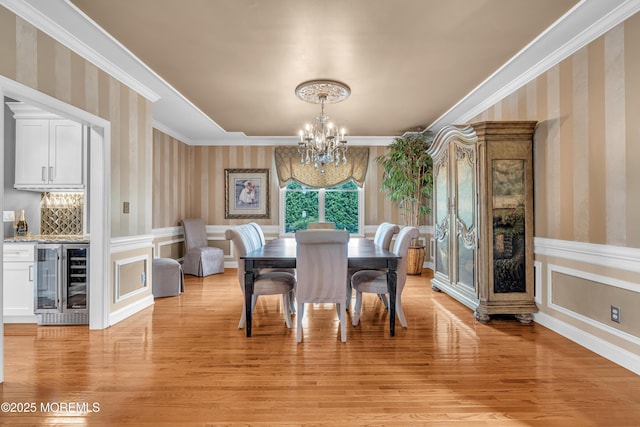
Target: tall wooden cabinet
{"x":483,"y":217}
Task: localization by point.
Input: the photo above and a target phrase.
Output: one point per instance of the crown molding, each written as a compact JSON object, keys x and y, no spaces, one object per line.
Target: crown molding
{"x":585,"y":22}
{"x":172,"y":132}
{"x":47,"y":25}
{"x":68,"y":25}
{"x":239,"y":138}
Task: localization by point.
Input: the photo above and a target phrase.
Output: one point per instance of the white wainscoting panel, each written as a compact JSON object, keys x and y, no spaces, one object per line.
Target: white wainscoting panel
{"x":606,"y":256}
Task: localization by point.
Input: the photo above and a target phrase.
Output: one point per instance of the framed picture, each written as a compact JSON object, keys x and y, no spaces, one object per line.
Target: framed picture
{"x":246,"y":193}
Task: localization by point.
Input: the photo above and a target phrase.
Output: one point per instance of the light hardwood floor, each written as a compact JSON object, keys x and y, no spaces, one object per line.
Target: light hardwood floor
{"x":183,"y":362}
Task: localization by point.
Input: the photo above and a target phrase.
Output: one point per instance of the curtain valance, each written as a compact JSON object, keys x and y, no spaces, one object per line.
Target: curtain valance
{"x":289,"y":167}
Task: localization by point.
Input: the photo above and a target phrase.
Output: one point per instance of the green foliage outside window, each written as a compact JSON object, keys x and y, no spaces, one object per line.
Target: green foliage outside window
{"x":341,"y":206}
{"x":302,"y":206}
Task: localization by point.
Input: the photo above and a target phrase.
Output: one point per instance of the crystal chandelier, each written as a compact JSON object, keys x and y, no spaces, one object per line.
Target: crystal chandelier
{"x":320,"y":142}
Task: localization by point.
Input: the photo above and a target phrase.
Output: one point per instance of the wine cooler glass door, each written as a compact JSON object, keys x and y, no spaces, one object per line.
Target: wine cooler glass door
{"x":48,"y":276}
{"x":77,"y":276}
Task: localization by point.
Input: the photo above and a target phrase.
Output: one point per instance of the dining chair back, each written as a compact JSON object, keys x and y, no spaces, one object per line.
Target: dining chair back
{"x":200,"y":259}
{"x":265,"y":283}
{"x":259,"y":232}
{"x":321,"y":226}
{"x":375,"y":281}
{"x":321,"y":264}
{"x":384,"y":234}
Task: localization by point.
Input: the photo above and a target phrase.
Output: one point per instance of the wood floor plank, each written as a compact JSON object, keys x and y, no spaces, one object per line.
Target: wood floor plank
{"x":183,"y":362}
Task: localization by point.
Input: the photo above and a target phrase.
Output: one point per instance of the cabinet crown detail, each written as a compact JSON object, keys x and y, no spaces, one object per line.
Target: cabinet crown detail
{"x":26,"y":111}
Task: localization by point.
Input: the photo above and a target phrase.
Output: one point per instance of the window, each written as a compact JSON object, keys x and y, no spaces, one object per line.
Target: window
{"x":341,"y":205}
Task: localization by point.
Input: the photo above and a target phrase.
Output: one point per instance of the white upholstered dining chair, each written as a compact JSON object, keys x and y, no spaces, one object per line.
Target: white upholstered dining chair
{"x":268,"y":283}
{"x":375,"y":281}
{"x":259,"y":240}
{"x":321,"y":265}
{"x":383,"y":237}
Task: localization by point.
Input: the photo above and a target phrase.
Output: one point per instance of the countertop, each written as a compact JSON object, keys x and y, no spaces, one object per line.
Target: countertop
{"x":44,"y":238}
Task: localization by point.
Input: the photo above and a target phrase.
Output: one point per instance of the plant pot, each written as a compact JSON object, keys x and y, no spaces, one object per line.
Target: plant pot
{"x":415,"y":259}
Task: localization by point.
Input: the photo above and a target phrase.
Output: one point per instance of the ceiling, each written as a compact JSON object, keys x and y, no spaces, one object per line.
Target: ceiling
{"x":227,"y":69}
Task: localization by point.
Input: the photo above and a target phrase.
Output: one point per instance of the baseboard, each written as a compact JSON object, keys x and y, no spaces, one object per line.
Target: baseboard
{"x":20,"y":319}
{"x":130,"y":310}
{"x":618,"y":355}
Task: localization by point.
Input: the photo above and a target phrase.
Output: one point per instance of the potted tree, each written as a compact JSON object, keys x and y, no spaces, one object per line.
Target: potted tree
{"x":408,"y":181}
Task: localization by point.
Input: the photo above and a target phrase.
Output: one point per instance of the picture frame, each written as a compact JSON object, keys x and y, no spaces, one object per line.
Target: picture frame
{"x":246,"y":194}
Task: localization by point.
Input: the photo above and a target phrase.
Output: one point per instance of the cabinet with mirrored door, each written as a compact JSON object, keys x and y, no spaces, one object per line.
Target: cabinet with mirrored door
{"x":483,"y":217}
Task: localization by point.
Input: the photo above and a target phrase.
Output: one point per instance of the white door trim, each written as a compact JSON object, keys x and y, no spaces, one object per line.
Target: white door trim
{"x":99,"y":190}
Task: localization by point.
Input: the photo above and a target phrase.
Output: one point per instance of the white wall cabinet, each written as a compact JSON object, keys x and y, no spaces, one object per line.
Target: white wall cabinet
{"x":49,"y":150}
{"x":18,"y":283}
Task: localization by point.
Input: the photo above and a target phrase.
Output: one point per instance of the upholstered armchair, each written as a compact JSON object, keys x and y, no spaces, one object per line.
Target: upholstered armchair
{"x":200,"y":259}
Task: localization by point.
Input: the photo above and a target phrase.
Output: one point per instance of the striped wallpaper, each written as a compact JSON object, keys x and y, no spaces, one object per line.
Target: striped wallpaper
{"x":584,"y":149}
{"x":587,"y":154}
{"x":32,"y":58}
{"x":186,"y":180}
{"x":171,"y":181}
{"x":587,"y":190}
{"x":189,"y":180}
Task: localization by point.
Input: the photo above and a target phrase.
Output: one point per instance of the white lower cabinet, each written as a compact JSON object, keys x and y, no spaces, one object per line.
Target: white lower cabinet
{"x":18,"y":282}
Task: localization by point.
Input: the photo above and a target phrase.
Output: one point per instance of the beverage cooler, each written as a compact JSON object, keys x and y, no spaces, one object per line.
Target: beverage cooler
{"x":62,"y":284}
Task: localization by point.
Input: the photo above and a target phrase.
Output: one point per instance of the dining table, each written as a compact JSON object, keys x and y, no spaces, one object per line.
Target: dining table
{"x":362,"y":254}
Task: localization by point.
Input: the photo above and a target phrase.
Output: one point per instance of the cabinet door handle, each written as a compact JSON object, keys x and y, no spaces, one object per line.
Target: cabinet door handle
{"x":52,"y":175}
{"x":31,"y":273}
{"x":44,"y":174}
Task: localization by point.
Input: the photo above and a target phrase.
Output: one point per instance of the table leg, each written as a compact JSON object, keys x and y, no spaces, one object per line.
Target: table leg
{"x":392,"y":282}
{"x":248,"y":294}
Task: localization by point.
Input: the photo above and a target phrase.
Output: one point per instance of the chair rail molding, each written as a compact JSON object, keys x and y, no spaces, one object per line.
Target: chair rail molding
{"x":617,"y":257}
{"x":131,"y":243}
{"x":165,"y":232}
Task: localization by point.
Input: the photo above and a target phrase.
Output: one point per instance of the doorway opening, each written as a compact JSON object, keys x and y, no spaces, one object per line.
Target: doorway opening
{"x":98,"y":196}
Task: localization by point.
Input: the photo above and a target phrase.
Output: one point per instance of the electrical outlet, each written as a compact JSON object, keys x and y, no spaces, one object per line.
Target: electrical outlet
{"x":125,"y":207}
{"x":8,"y":216}
{"x":615,"y":314}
